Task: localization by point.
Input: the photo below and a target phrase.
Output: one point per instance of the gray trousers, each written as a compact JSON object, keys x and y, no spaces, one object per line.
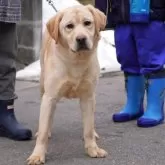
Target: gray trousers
{"x":8,"y":52}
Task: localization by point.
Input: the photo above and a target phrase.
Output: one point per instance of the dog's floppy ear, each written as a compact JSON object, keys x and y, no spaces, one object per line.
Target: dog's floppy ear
{"x":100,"y":18}
{"x":53,"y":26}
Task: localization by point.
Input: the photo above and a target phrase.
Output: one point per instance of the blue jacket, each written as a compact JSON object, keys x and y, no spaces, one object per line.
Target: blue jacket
{"x":118,"y":11}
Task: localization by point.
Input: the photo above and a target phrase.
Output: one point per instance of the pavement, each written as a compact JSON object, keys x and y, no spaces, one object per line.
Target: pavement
{"x":126,"y":143}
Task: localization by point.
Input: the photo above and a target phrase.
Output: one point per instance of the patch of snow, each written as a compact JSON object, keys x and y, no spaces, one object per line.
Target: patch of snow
{"x":30,"y":73}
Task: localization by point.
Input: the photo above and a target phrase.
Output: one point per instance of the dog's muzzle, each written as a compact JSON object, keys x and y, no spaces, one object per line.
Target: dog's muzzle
{"x":82,"y":43}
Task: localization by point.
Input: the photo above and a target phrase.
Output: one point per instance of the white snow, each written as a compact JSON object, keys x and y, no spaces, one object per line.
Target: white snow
{"x":106,"y":52}
{"x":30,"y":73}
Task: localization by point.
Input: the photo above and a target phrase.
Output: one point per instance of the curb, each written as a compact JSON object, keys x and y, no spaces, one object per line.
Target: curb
{"x":111,"y":74}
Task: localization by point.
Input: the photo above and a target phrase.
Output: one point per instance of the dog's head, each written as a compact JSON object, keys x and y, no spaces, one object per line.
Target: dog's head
{"x":77,"y":28}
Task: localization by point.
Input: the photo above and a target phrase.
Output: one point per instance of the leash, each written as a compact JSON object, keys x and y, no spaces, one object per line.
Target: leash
{"x":50,"y":2}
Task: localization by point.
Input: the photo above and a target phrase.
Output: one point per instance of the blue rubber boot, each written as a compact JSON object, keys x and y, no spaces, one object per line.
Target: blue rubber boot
{"x":154,"y":114}
{"x":133,"y":109}
{"x":9,"y":126}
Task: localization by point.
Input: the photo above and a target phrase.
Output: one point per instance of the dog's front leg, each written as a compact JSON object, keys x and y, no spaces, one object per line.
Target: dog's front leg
{"x":87,"y":105}
{"x":47,"y":108}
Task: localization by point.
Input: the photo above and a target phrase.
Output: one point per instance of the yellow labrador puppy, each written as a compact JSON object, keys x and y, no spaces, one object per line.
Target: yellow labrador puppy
{"x":70,"y":68}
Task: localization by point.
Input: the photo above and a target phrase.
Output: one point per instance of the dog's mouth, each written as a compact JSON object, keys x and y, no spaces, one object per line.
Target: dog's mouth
{"x":80,"y":49}
{"x":83,"y":48}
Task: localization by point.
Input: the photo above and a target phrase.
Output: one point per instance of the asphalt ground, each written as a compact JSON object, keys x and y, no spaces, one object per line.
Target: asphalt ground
{"x":125,"y":142}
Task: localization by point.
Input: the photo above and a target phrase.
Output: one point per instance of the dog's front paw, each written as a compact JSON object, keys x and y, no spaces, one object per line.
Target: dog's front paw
{"x":36,"y":160}
{"x":96,"y":152}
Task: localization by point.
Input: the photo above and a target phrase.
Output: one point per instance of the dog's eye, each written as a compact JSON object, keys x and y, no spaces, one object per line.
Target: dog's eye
{"x":87,"y":23}
{"x":70,"y":26}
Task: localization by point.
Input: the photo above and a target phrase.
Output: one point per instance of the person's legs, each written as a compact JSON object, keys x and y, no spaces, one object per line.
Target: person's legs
{"x":127,"y":57}
{"x":126,"y":49}
{"x":8,"y":51}
{"x":151,"y":50}
{"x":9,"y":127}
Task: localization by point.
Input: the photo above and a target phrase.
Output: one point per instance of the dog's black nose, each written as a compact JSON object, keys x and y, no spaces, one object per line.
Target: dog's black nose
{"x":81,"y":40}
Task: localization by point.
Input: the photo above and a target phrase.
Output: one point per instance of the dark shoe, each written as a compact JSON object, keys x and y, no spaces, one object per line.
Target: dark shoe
{"x":9,"y":126}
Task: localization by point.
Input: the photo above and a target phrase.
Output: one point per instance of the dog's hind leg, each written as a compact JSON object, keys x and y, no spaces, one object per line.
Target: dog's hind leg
{"x":42,"y":84}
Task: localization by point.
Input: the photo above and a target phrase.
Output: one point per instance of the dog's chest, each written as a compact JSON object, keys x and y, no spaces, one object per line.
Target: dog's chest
{"x":79,"y":81}
{"x":74,"y":89}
